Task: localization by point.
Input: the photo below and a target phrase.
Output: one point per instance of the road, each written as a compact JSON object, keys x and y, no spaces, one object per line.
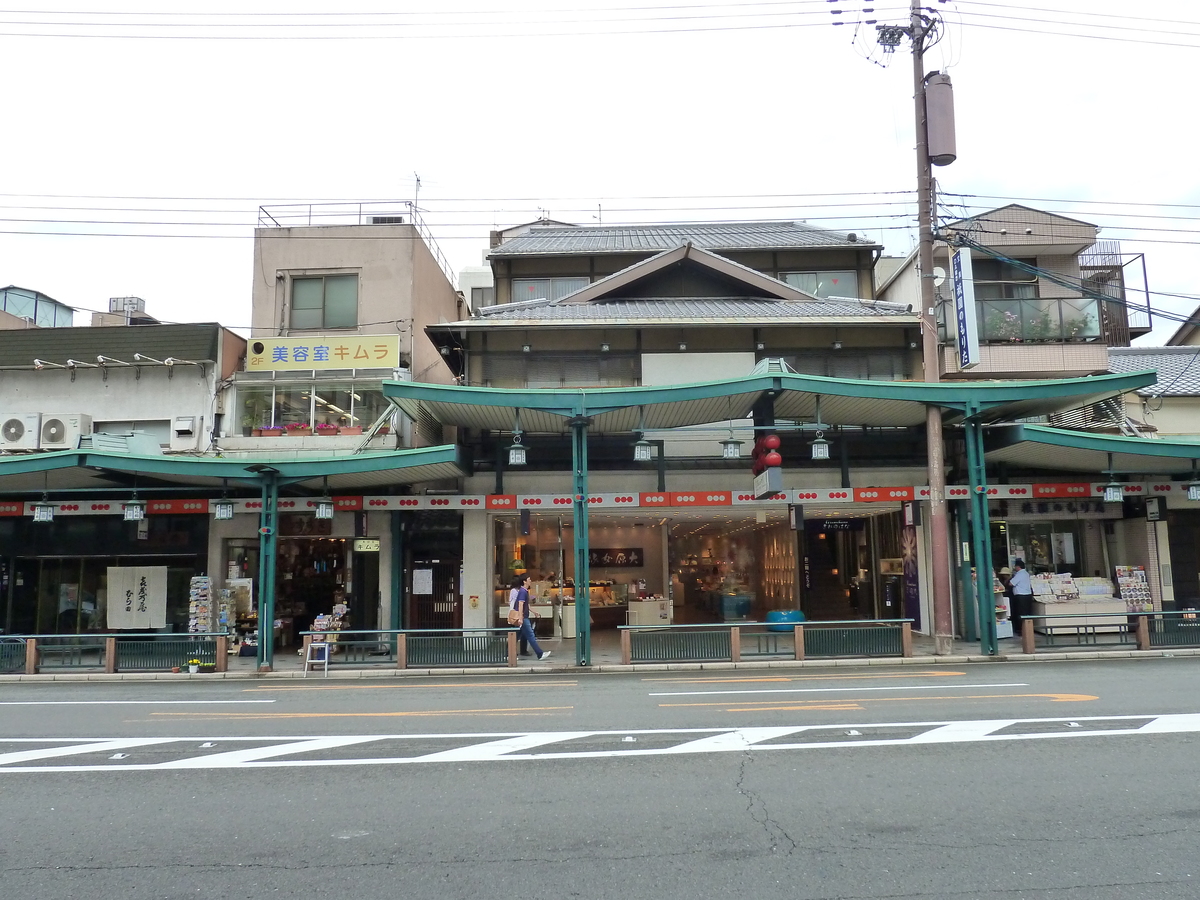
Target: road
{"x":1049,"y":780}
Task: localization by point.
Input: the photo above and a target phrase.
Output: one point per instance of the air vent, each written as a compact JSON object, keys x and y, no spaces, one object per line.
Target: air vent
{"x":387,"y":220}
{"x":61,"y":431}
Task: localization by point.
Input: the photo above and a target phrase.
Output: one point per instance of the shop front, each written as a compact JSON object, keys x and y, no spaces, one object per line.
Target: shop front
{"x":55,"y":577}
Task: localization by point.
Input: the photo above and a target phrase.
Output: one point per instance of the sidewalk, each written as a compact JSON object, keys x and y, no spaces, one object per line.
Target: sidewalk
{"x":606,"y":658}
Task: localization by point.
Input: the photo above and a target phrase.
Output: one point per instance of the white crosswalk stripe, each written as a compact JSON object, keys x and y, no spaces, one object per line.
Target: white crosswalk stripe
{"x":554,"y":745}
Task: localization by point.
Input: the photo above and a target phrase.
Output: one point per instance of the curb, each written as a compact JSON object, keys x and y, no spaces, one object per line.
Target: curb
{"x":611,"y":668}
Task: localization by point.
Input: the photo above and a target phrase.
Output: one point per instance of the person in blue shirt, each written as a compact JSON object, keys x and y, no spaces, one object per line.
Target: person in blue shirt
{"x":1022,"y":595}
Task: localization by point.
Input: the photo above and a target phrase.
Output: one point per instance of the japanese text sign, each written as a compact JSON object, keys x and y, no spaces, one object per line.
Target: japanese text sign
{"x":358,"y":351}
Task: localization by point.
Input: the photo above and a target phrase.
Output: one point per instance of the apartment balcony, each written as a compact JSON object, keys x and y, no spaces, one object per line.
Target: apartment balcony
{"x":1032,"y":360}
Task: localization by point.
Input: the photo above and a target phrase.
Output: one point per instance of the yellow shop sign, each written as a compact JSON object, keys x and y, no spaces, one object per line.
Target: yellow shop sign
{"x":360,"y":351}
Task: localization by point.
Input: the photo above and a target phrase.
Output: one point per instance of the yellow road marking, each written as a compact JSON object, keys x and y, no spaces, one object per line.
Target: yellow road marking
{"x":379,"y":687}
{"x":823,"y":677}
{"x":756,"y":705}
{"x":512,"y":711}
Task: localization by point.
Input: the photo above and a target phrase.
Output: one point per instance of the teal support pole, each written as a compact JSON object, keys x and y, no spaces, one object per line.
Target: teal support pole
{"x":266,"y":612}
{"x":977,"y":480}
{"x":985,"y":517}
{"x":583,"y":615}
{"x":262,"y":577}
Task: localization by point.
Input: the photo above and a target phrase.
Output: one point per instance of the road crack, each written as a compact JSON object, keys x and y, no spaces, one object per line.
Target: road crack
{"x":756,"y":806}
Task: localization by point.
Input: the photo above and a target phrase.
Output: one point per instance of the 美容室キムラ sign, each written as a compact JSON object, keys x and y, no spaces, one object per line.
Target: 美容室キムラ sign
{"x":358,"y":351}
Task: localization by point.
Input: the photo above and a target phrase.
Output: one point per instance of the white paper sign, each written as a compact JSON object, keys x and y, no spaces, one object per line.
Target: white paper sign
{"x":422,"y":581}
{"x":137,"y":597}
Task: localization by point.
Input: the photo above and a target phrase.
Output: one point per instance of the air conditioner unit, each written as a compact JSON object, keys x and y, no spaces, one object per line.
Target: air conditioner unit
{"x":19,"y":431}
{"x":62,"y":431}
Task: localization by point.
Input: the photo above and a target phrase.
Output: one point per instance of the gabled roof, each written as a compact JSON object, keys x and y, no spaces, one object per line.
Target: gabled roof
{"x":1021,"y":212}
{"x":1184,"y":332}
{"x":1178,"y":368}
{"x":753,"y":296}
{"x":601,"y":239}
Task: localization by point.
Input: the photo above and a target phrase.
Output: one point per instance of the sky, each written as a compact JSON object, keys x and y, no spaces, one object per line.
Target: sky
{"x":141,"y":139}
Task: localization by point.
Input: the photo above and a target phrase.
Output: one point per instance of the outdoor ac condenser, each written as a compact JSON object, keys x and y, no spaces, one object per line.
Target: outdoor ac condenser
{"x":62,"y":431}
{"x":20,"y":431}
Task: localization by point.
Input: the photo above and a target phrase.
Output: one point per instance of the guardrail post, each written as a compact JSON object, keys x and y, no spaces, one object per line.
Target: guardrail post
{"x":906,"y":647}
{"x":110,"y":655}
{"x":401,"y":651}
{"x":1027,"y":640}
{"x":735,"y":644}
{"x":512,"y":649}
{"x":626,"y":647}
{"x":31,"y":656}
{"x":222,"y":653}
{"x":799,"y":631}
{"x":1143,"y":633}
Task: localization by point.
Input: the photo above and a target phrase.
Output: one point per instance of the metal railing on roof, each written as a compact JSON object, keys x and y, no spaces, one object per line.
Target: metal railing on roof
{"x":370,"y":212}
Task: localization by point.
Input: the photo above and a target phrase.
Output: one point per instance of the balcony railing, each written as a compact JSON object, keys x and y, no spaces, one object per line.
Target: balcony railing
{"x":1038,"y":319}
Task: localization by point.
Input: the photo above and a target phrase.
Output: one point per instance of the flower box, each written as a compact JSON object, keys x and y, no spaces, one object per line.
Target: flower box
{"x":269,"y":431}
{"x":298,"y":430}
{"x":326,"y":430}
{"x":350,"y":429}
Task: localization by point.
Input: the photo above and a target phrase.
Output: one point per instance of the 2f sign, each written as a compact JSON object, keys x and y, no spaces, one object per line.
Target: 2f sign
{"x":964,"y":309}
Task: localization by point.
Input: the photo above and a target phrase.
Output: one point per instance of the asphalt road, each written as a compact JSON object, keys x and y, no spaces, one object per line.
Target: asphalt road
{"x":1048,"y":780}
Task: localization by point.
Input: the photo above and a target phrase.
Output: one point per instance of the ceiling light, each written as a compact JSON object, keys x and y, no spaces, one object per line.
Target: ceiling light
{"x":525,"y":348}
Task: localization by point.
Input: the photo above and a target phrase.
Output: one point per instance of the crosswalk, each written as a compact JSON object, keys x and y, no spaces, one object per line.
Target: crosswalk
{"x":46,"y":755}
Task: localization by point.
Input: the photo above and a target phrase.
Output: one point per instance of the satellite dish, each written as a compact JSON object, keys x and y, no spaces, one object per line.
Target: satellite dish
{"x":939,"y":275}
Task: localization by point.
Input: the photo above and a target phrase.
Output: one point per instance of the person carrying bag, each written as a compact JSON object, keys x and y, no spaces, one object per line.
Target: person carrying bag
{"x":518,"y":615}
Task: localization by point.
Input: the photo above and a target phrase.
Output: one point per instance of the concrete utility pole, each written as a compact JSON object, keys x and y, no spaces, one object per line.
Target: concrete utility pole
{"x":943,"y":622}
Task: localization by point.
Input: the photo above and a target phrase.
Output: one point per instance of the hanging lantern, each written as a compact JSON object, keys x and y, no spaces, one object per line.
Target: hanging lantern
{"x":731,"y":449}
{"x":325,"y":508}
{"x":1113,"y":492}
{"x":43,"y":511}
{"x":135,"y":510}
{"x":222,"y":509}
{"x":820,"y":446}
{"x":642,"y":451}
{"x":516,"y":451}
{"x":1194,"y":490}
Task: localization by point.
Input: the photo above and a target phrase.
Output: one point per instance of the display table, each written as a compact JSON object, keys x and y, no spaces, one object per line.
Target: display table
{"x":1082,"y":613}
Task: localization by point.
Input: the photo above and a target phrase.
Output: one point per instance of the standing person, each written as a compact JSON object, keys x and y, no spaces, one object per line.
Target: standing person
{"x":1022,"y":595}
{"x":518,"y":599}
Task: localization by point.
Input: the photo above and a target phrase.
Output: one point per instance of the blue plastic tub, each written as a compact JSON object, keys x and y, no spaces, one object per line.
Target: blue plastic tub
{"x":783,"y":619}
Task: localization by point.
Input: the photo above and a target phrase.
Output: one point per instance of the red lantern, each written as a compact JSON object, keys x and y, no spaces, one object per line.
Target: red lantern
{"x":772,"y":458}
{"x":771,"y":442}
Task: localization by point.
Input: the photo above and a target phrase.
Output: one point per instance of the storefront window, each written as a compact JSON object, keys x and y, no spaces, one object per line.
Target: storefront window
{"x":257,"y":406}
{"x":310,"y":403}
{"x":1050,"y":546}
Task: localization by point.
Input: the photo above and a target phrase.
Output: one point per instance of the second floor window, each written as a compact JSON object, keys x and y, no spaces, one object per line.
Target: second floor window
{"x":823,"y":284}
{"x":546,"y":288}
{"x":325,"y":301}
{"x":997,"y":280}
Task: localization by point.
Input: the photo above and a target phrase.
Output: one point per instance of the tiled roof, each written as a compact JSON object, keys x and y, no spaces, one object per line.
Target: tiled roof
{"x":683,"y":310}
{"x":655,"y":238}
{"x":1178,"y":368}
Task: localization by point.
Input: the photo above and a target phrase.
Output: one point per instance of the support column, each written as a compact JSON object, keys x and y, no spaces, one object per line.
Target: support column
{"x":579,"y":464}
{"x":268,"y":537}
{"x":980,"y":535}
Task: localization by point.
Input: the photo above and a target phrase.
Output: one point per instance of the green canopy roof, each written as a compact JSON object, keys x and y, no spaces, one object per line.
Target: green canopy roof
{"x":1041,"y":447}
{"x":844,"y":401}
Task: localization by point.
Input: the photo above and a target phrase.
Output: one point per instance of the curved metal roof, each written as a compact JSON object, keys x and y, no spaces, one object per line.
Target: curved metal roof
{"x":1042,"y":447}
{"x":843,"y":401}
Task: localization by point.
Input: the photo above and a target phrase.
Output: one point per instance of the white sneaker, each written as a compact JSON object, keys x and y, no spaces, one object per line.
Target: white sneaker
{"x":545,"y":655}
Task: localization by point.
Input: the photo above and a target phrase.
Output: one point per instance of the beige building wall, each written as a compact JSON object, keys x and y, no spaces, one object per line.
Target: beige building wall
{"x":1170,"y":416}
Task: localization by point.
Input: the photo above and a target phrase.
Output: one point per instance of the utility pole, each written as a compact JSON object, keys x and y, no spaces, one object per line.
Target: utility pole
{"x":943,"y":622}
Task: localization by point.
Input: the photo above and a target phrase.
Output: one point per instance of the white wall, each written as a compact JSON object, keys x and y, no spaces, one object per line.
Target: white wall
{"x":157,"y":395}
{"x":689,"y":368}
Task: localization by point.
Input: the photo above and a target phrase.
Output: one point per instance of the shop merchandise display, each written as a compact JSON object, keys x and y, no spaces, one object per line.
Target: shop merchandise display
{"x":1086,"y":601}
{"x":200,"y":605}
{"x":1135,"y":590}
{"x":1004,"y":625}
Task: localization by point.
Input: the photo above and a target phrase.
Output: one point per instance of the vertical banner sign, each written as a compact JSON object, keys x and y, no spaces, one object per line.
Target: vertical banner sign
{"x":964,"y":309}
{"x":137,"y":597}
{"x":912,"y":577}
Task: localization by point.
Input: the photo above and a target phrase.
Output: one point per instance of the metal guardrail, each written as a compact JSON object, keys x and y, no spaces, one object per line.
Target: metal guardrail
{"x":113,"y":652}
{"x":12,"y":655}
{"x":735,"y":641}
{"x":427,"y":647}
{"x":1145,"y":630}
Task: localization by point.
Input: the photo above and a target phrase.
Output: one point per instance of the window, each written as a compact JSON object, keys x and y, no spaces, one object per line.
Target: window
{"x":482,"y":296}
{"x":998,"y":280}
{"x":310,"y":403}
{"x":823,"y":284}
{"x":876,"y":365}
{"x":326,"y":301}
{"x":546,"y":288}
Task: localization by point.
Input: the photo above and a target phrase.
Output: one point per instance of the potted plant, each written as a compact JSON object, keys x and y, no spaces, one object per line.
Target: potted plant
{"x":270,"y":431}
{"x":349,"y":429}
{"x":193,"y":666}
{"x":325,"y":430}
{"x":299,"y":429}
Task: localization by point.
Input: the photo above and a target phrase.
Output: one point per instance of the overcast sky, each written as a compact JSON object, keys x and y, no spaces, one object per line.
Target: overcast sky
{"x":139,"y":143}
